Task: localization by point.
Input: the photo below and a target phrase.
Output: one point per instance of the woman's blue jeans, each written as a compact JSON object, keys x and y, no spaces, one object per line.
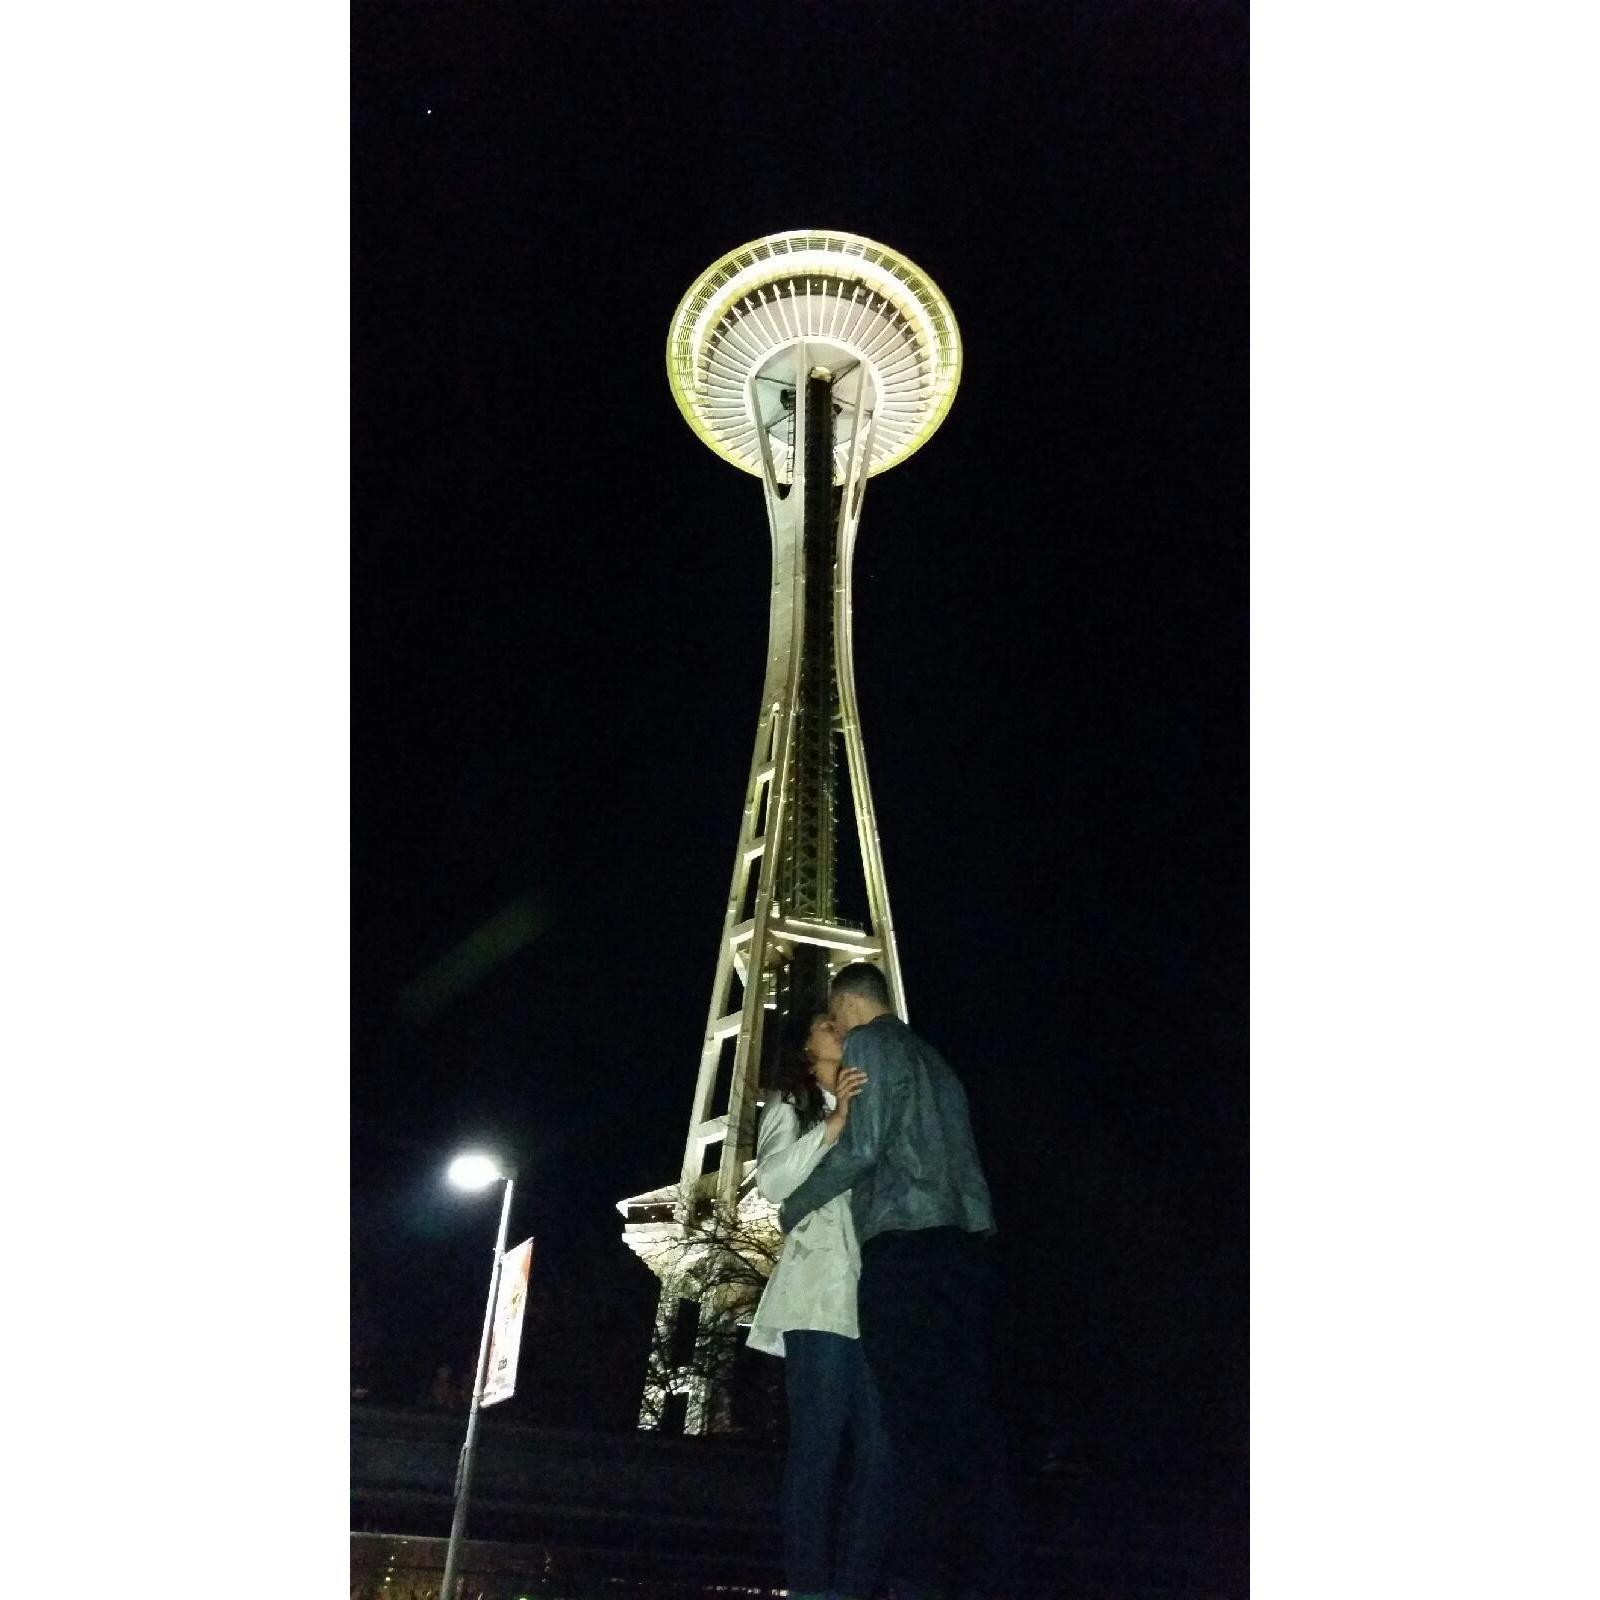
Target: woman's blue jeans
{"x":832,"y":1400}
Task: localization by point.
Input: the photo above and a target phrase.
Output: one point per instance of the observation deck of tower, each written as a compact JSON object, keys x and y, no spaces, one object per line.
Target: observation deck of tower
{"x":813,"y":361}
{"x":863,"y":312}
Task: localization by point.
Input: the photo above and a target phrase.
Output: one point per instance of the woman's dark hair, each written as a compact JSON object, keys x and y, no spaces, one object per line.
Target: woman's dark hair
{"x":793,"y":1078}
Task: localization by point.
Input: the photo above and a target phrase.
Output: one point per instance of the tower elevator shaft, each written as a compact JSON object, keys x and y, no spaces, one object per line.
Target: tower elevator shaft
{"x":807,"y":883}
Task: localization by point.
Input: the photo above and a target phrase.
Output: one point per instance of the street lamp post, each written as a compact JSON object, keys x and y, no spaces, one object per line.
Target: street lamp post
{"x":474,"y":1172}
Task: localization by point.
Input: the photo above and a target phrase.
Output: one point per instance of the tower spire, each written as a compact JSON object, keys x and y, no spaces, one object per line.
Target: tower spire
{"x":812,"y":360}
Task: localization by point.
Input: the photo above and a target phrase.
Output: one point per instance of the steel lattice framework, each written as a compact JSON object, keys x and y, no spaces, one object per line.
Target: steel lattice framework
{"x":812,"y":360}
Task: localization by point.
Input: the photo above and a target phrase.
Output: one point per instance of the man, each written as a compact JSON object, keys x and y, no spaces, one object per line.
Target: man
{"x":923,"y":1218}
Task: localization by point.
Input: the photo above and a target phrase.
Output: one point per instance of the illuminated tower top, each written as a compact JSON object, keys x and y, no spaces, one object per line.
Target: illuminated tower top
{"x":863,"y":312}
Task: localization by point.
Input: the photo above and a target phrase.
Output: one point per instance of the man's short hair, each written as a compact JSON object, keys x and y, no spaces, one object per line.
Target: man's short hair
{"x":864,"y":979}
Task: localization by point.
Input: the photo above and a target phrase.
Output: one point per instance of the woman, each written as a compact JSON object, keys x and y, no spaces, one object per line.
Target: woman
{"x":808,"y":1316}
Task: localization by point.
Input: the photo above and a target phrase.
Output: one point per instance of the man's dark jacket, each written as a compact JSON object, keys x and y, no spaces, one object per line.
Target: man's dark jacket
{"x":906,"y":1153}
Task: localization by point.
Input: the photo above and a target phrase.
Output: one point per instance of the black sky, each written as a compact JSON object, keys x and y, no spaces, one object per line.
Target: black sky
{"x":560,"y":615}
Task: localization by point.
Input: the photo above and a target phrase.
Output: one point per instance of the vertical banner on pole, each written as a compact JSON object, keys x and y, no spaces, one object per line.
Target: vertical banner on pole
{"x":505,"y":1342}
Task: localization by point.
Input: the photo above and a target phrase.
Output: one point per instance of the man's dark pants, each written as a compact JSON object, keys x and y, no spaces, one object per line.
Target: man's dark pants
{"x":925,"y":1302}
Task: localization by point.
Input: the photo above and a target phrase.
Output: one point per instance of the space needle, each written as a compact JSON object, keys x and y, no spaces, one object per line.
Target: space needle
{"x":812,"y":361}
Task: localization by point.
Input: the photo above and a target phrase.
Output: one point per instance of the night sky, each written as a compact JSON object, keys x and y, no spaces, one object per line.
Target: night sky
{"x":560,"y":616}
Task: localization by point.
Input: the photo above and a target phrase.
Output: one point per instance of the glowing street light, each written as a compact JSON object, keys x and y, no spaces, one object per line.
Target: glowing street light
{"x":474,"y":1171}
